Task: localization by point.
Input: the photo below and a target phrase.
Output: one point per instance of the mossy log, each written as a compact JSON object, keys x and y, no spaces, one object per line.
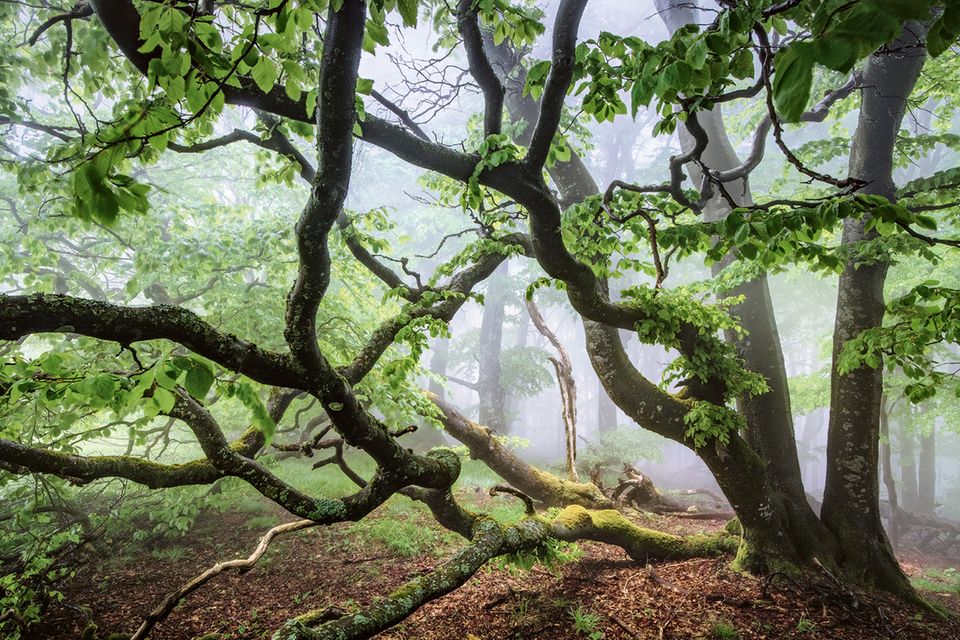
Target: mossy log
{"x":491,"y":539}
{"x":538,"y":484}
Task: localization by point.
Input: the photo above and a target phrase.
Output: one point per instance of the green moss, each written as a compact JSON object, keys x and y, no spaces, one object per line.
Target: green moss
{"x":561,"y":492}
{"x":329,"y":509}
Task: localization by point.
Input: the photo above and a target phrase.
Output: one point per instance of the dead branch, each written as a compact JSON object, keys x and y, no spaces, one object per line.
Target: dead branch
{"x":171,"y":601}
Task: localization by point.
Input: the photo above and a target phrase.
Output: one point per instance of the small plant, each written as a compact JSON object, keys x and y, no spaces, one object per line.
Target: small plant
{"x":939,"y":581}
{"x":519,"y":612}
{"x":723,"y":630}
{"x":805,"y":624}
{"x":586,"y":623}
{"x":173,"y":554}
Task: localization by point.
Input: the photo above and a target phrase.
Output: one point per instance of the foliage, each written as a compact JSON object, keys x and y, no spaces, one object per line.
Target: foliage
{"x":550,"y":554}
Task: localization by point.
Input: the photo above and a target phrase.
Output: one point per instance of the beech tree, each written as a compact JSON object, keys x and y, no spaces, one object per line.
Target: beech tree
{"x":165,"y":78}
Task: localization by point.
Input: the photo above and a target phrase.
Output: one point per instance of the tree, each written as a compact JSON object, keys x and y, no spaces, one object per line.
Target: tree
{"x":198,"y":58}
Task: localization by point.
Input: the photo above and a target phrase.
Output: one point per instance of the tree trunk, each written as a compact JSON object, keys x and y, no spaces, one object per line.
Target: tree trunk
{"x":888,"y":473}
{"x":568,"y":390}
{"x":489,"y":386}
{"x":606,"y":411}
{"x":927,"y":478}
{"x":768,"y":416}
{"x":908,"y":467}
{"x":851,"y":497}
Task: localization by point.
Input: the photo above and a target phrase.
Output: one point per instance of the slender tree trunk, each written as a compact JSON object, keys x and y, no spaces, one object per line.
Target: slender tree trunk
{"x":606,"y":411}
{"x":489,"y":385}
{"x":438,"y":365}
{"x":568,"y":390}
{"x":851,"y":498}
{"x":888,"y":473}
{"x":908,"y":467}
{"x":927,"y":477}
{"x":768,"y":416}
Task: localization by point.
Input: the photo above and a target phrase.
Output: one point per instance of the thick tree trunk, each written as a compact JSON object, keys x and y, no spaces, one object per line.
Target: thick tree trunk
{"x":851,"y":497}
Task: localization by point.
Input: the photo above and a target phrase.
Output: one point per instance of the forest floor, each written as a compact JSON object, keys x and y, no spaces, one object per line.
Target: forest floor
{"x":603,"y":595}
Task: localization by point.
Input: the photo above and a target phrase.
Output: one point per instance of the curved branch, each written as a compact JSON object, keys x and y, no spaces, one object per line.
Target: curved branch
{"x":558,"y":82}
{"x":51,"y":313}
{"x":493,"y":92}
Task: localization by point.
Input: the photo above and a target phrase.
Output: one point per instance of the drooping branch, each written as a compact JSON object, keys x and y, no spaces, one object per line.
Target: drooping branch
{"x":489,"y":540}
{"x":336,"y":115}
{"x":565,"y":30}
{"x":817,"y":114}
{"x":20,"y":458}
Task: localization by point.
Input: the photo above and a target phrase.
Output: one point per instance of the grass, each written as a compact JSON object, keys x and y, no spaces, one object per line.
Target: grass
{"x":585,"y":622}
{"x":170,"y":554}
{"x":939,"y":581}
{"x":723,"y":630}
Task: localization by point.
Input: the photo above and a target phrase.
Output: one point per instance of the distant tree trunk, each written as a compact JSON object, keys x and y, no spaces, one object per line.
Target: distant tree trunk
{"x":906,"y":442}
{"x":888,"y":472}
{"x":428,"y":437}
{"x":851,"y":507}
{"x":568,"y":390}
{"x":438,"y":365}
{"x":489,"y":385}
{"x":606,"y":410}
{"x":927,"y":477}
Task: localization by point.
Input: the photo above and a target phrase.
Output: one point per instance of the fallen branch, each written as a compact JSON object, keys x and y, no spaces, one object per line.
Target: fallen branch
{"x":171,"y":601}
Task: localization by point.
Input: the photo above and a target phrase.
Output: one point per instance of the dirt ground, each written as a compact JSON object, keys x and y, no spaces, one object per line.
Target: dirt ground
{"x":604,"y":595}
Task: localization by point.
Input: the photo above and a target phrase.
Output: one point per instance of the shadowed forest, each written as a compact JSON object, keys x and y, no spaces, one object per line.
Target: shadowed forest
{"x":479,"y":319}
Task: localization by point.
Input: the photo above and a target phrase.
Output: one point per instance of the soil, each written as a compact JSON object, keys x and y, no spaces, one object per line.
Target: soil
{"x":602,"y":595}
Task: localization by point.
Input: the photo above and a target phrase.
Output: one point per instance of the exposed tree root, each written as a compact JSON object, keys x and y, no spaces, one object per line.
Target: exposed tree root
{"x":638,"y":491}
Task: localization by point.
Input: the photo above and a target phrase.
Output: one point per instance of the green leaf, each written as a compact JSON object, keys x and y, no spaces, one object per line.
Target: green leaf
{"x":792,"y":80}
{"x":264,"y":74}
{"x":198,"y":380}
{"x":164,"y":399}
{"x":408,"y":11}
